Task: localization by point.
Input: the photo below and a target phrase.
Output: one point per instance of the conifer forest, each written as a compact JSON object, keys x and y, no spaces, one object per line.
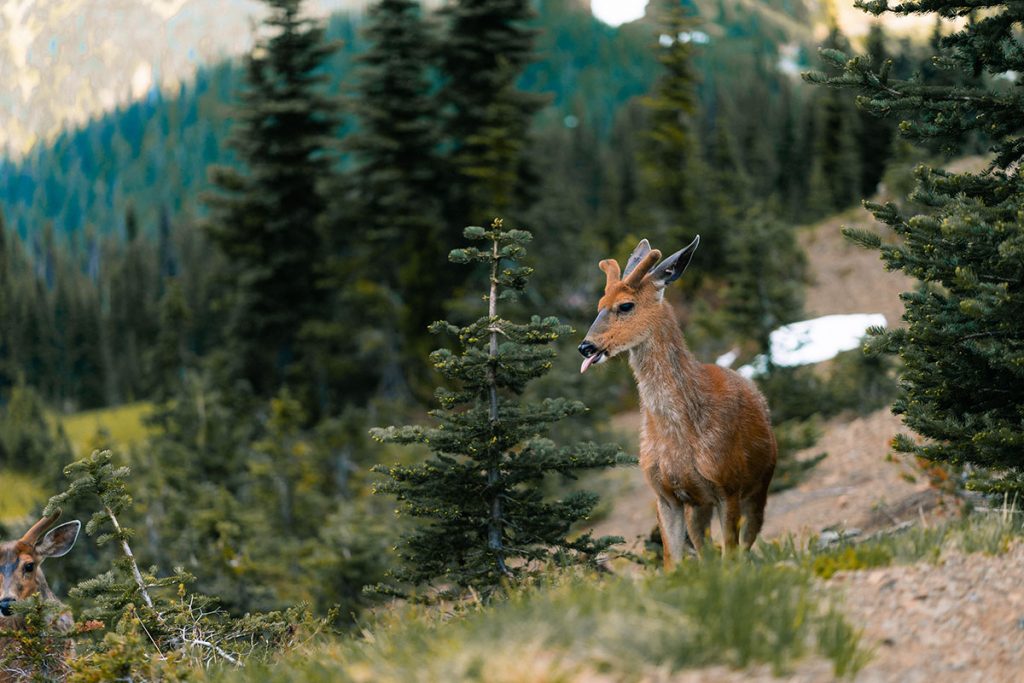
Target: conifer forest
{"x":290,"y":336}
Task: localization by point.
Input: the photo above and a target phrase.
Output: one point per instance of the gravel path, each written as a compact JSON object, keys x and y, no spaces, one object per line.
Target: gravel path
{"x":959,"y":620}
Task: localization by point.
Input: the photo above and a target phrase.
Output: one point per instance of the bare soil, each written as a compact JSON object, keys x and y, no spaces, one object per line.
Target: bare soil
{"x":846,"y":278}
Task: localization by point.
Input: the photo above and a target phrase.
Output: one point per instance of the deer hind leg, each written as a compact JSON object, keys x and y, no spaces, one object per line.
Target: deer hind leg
{"x":673,"y":531}
{"x":698,"y":519}
{"x":729,"y":516}
{"x":753,"y":511}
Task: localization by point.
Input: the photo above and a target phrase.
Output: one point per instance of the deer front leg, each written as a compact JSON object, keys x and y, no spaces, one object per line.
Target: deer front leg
{"x":671,"y":521}
{"x":729,"y":514}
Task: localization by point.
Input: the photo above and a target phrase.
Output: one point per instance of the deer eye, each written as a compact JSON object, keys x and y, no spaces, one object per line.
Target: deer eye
{"x":29,"y":567}
{"x":626,"y":307}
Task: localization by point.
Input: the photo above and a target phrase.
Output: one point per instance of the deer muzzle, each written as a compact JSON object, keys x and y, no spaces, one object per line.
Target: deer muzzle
{"x":592,"y":353}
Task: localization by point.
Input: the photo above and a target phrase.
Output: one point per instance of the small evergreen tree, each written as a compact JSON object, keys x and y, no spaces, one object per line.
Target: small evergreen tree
{"x":838,"y":178}
{"x":963,"y":346}
{"x":481,"y":493}
{"x":267,"y":220}
{"x":169,"y":356}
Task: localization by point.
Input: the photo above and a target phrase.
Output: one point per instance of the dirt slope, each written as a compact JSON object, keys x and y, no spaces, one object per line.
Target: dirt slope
{"x":846,"y":278}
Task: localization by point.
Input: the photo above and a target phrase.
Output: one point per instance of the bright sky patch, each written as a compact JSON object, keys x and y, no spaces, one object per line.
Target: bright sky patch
{"x":615,"y":12}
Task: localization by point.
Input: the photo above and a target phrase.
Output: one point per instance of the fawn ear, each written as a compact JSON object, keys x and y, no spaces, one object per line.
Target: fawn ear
{"x":669,"y":270}
{"x":59,"y":540}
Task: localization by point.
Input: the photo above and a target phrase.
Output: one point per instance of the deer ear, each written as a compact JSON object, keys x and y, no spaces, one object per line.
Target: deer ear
{"x":59,"y":540}
{"x":669,"y":270}
{"x":642,"y":249}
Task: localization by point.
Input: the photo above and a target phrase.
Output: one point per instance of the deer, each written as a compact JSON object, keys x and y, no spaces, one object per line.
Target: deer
{"x":21,"y":577}
{"x":706,"y":440}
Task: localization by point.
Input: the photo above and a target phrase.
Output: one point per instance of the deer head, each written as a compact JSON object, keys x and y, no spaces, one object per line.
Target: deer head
{"x":632,"y":300}
{"x":21,"y":574}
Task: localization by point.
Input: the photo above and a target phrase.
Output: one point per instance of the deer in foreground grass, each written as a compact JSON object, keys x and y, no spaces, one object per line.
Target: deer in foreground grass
{"x":21,"y":572}
{"x":706,"y":441}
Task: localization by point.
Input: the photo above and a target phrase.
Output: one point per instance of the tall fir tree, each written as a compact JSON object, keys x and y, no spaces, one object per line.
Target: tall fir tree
{"x":480,"y":494}
{"x":963,"y":345}
{"x":268,"y":218}
{"x":729,"y":188}
{"x":485,"y":48}
{"x":669,"y":162}
{"x":875,"y":133}
{"x":767,"y":275}
{"x":398,"y":167}
{"x":7,"y":366}
{"x":835,"y":140}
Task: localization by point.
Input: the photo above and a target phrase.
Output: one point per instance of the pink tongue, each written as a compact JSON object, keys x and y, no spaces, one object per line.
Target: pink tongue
{"x":587,"y":362}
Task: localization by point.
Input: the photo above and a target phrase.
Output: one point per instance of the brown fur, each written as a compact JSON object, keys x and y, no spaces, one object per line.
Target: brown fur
{"x":21,"y":576}
{"x":706,"y":442}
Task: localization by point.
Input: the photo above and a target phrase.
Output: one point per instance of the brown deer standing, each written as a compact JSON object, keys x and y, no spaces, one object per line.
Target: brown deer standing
{"x":21,"y":576}
{"x":706,"y":440}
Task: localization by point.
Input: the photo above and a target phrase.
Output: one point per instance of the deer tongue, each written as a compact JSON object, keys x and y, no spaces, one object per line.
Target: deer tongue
{"x":587,"y":362}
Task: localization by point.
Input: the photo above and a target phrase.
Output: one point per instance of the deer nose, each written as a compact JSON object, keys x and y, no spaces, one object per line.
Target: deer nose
{"x":587,"y":349}
{"x":5,"y":606}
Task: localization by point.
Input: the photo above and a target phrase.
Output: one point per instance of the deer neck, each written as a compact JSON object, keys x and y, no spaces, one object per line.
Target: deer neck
{"x":669,"y":378}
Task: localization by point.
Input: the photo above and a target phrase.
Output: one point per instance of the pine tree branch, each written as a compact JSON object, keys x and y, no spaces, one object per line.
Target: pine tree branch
{"x":216,"y":649}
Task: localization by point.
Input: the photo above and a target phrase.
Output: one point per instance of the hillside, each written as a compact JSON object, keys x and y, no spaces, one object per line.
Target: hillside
{"x":915,"y":619}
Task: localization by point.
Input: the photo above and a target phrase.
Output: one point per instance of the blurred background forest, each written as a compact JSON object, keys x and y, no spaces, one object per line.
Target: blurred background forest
{"x":237,"y":303}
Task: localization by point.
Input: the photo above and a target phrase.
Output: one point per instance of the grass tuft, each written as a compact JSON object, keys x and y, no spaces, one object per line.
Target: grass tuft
{"x":840,"y":642}
{"x":850,"y":558}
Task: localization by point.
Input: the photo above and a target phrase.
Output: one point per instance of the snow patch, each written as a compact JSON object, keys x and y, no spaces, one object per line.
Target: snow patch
{"x":727,"y":359}
{"x":814,"y":341}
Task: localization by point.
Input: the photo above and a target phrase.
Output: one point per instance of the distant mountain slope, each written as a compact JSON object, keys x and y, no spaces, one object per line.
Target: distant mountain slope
{"x":153,"y":153}
{"x":63,"y":61}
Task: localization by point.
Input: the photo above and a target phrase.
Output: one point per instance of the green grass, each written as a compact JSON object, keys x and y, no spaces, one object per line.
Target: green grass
{"x":21,"y":493}
{"x":123,"y":425}
{"x":989,"y":533}
{"x":735,"y":613}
